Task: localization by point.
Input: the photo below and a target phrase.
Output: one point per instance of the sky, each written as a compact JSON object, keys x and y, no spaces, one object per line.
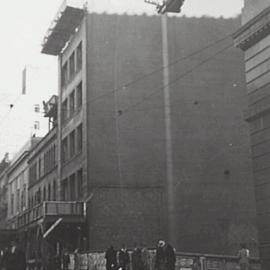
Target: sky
{"x":23,"y":25}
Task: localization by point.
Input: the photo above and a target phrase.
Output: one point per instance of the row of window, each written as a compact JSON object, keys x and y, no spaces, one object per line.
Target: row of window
{"x":71,"y":187}
{"x":72,"y":144}
{"x":43,"y":165}
{"x":71,"y":66}
{"x":48,"y":193}
{"x":20,"y":199}
{"x":72,"y":103}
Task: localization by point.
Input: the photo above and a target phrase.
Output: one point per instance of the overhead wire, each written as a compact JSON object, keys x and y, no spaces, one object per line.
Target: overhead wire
{"x":135,"y":81}
{"x":172,"y":82}
{"x":126,"y":85}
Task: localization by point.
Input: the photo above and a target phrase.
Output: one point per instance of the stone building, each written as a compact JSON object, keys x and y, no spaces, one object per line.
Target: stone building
{"x":18,"y":181}
{"x":254,"y":39}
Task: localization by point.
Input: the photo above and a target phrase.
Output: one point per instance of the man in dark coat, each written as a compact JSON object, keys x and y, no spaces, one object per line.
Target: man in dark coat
{"x":111,"y":258}
{"x":15,"y":259}
{"x":165,"y":256}
{"x":123,"y":258}
{"x":137,"y":260}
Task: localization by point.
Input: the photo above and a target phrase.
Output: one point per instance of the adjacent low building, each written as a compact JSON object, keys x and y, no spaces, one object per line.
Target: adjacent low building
{"x":18,"y":181}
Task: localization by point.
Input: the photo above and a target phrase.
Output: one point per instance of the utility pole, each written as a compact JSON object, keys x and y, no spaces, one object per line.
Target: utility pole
{"x":169,"y":183}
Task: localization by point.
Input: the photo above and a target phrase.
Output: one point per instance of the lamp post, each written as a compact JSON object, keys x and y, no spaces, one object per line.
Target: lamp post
{"x":169,"y":183}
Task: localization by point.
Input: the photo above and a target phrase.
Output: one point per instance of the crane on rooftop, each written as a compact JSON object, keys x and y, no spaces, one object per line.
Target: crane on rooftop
{"x":167,"y":6}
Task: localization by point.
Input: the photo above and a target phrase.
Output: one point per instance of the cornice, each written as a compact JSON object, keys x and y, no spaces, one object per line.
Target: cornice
{"x":253,"y":31}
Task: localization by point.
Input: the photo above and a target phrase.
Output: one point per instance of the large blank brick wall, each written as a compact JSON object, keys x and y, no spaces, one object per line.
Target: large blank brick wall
{"x":213,"y":191}
{"x":125,"y":216}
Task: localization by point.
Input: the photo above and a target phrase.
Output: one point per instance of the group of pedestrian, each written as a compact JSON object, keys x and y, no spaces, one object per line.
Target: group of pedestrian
{"x":13,"y":258}
{"x":139,"y":258}
{"x":61,"y":262}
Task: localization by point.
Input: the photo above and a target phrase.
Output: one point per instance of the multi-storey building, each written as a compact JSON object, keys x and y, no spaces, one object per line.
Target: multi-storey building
{"x":46,"y":214}
{"x":3,"y":199}
{"x":17,"y":174}
{"x":113,"y":134}
{"x":254,"y":39}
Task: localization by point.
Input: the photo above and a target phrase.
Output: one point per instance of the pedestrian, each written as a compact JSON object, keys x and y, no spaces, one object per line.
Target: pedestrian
{"x":111,"y":258}
{"x":243,"y":257}
{"x":66,"y":260}
{"x":136,"y":258}
{"x":4,"y":254}
{"x":57,"y":261}
{"x":15,"y":258}
{"x":76,"y":259}
{"x":165,"y":256}
{"x":145,"y":257}
{"x":123,"y":258}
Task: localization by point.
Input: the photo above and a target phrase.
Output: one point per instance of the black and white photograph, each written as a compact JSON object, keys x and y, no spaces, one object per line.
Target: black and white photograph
{"x":135,"y":135}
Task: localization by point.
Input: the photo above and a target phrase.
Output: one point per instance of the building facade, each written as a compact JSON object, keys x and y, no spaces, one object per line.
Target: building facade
{"x":112,"y":133}
{"x":254,"y":39}
{"x":3,"y":199}
{"x":18,"y":181}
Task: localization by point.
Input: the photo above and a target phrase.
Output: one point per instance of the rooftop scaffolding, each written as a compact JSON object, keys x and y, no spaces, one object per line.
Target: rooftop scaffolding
{"x":67,"y":19}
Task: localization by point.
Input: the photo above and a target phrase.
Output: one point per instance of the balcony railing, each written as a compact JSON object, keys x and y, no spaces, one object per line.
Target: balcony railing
{"x":50,"y":208}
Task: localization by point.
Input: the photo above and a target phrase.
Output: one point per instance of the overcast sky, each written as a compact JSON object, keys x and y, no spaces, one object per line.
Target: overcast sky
{"x":23,"y":25}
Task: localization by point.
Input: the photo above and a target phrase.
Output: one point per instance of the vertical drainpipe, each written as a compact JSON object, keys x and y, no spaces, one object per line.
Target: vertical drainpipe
{"x":59,"y":127}
{"x":169,"y":182}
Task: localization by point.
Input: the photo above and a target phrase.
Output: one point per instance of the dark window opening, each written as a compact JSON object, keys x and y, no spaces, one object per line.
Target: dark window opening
{"x":65,"y":150}
{"x":79,"y":56}
{"x":79,"y":95}
{"x":72,"y":143}
{"x":72,"y":65}
{"x":72,"y":103}
{"x":79,"y":138}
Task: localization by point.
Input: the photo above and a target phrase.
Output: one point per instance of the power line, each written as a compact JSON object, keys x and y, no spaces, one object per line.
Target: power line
{"x":122,"y":112}
{"x":124,"y":86}
{"x":177,"y":79}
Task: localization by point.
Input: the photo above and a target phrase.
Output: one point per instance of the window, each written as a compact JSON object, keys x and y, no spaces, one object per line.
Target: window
{"x":24,"y":197}
{"x":79,"y":56}
{"x":64,"y":189}
{"x":49,"y":192}
{"x":37,"y":108}
{"x":46,"y":162}
{"x":64,"y":73}
{"x":36,"y":125}
{"x":33,"y":173}
{"x":12,"y":203}
{"x":64,"y":110}
{"x":44,"y":194}
{"x":79,"y":138}
{"x":54,"y":190}
{"x":79,"y":95}
{"x":39,"y":168}
{"x":54,"y":155}
{"x":72,"y":65}
{"x":65,"y":150}
{"x":72,"y":103}
{"x":18,"y":200}
{"x":79,"y":183}
{"x":38,"y":196}
{"x":72,"y":143}
{"x":72,"y":187}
